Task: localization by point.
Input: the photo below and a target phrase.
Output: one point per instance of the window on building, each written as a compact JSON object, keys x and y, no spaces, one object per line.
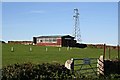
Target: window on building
{"x":54,"y":40}
{"x":37,"y":40}
{"x":46,"y":40}
{"x":41,"y":41}
{"x":50,"y":40}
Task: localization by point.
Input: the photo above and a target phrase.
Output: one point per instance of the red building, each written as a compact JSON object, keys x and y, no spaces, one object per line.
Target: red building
{"x":59,"y":41}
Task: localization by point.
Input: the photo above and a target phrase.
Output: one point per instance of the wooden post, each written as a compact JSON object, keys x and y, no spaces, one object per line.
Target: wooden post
{"x":100,"y":65}
{"x":72,"y":65}
{"x":104,"y":59}
{"x":104,"y":51}
{"x":109,"y":52}
{"x":118,"y":52}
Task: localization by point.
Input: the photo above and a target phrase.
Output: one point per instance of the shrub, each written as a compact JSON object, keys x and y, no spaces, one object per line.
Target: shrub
{"x":28,"y":71}
{"x":46,"y":71}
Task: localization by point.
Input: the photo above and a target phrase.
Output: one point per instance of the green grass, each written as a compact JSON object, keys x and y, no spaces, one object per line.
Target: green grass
{"x":22,"y":54}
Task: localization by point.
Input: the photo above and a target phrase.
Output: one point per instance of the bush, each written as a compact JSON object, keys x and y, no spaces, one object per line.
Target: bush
{"x":46,"y":71}
{"x":29,"y":71}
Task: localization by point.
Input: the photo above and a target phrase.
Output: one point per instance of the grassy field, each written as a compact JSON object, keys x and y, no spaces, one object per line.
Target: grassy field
{"x":39,"y":54}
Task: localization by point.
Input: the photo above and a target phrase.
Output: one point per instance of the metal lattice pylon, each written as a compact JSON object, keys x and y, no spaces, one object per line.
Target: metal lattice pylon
{"x":76,"y":33}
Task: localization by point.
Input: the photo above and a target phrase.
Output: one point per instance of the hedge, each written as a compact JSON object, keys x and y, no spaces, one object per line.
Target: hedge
{"x":46,"y":71}
{"x":28,"y":71}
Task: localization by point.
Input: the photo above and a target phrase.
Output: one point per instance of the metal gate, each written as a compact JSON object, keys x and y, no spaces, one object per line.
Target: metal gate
{"x":85,"y":66}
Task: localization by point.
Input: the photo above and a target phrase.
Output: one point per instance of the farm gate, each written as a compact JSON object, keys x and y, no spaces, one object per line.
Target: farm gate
{"x":88,"y":66}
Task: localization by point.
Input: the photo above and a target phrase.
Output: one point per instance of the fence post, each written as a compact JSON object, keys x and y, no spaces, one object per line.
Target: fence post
{"x":12,"y":49}
{"x":100,"y":65}
{"x":109,"y":52}
{"x":59,"y":49}
{"x":72,"y":65}
{"x":67,"y":48}
{"x":118,"y":52}
{"x":30,"y":49}
{"x":104,"y":51}
{"x":46,"y":49}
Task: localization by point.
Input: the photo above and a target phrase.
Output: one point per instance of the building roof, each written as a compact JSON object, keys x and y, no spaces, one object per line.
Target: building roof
{"x":54,"y":36}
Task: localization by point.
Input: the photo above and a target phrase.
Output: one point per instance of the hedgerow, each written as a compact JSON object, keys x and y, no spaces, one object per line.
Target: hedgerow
{"x":28,"y":71}
{"x":46,"y":71}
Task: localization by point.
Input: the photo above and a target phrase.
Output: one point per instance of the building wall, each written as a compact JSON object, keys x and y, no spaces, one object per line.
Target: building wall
{"x":47,"y":43}
{"x":68,"y":41}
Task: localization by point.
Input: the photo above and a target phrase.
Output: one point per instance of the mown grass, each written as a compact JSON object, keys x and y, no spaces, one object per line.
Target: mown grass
{"x":39,"y":54}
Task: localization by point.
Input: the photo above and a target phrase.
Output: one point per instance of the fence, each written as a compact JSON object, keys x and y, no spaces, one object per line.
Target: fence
{"x":108,"y":52}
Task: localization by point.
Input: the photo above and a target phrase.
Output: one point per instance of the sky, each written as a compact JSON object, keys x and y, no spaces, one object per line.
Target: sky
{"x":119,"y":23}
{"x":25,"y":20}
{"x":60,"y":0}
